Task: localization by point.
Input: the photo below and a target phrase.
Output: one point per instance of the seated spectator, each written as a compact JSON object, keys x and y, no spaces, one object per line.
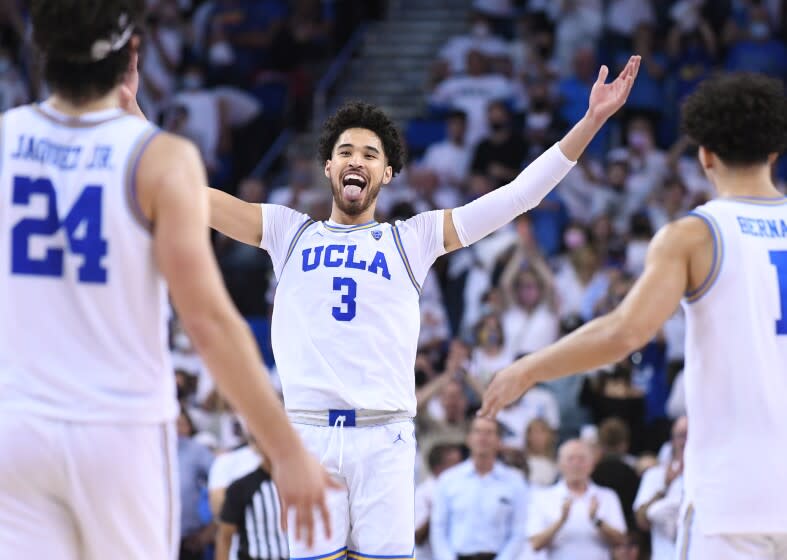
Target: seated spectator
{"x":615,"y":469}
{"x":658,"y":500}
{"x":481,"y":38}
{"x":622,"y":17}
{"x":538,"y":402}
{"x":668,"y":204}
{"x":575,"y":518}
{"x":480,"y":505}
{"x":574,"y":91}
{"x":489,"y":355}
{"x":529,"y":324}
{"x":473,"y":92}
{"x":450,"y":159}
{"x":758,"y":51}
{"x":540,"y":441}
{"x":578,"y":23}
{"x":499,"y":156}
{"x":441,"y":458}
{"x":647,"y":94}
{"x":578,"y":274}
{"x":691,"y":47}
{"x":194,"y":463}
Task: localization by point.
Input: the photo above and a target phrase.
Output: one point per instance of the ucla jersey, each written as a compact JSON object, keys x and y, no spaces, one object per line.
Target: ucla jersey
{"x":736,"y":370}
{"x":346,"y":311}
{"x":83,"y":327}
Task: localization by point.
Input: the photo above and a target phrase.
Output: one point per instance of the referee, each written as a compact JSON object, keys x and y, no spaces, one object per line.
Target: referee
{"x":252,"y":511}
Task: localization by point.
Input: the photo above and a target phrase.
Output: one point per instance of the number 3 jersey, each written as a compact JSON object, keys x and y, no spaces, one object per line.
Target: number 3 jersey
{"x":736,"y":371}
{"x":83,"y":308}
{"x":346,"y":311}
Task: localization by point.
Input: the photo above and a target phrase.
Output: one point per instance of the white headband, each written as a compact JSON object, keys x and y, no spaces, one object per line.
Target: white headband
{"x":103,"y":47}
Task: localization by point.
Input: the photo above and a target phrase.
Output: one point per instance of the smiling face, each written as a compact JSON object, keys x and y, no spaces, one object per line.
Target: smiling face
{"x":357,"y":169}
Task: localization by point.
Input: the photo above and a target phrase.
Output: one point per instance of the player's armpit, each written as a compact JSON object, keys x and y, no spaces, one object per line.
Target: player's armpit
{"x":450,"y":236}
{"x":235,"y":218}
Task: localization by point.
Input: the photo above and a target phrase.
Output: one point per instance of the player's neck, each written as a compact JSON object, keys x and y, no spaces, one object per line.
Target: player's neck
{"x":339,"y":217}
{"x":747,"y":181}
{"x":63,"y":105}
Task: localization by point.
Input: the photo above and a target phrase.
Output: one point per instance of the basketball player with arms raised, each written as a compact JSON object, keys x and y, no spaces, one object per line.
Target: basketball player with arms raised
{"x":346,"y":310}
{"x":99,"y":214}
{"x":726,"y":263}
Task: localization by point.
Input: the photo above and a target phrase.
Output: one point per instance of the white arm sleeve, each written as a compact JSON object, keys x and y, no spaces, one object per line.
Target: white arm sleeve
{"x":477,"y":219}
{"x":279,"y":225}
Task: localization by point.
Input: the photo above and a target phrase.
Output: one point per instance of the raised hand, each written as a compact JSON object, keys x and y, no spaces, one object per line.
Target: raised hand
{"x":606,"y":99}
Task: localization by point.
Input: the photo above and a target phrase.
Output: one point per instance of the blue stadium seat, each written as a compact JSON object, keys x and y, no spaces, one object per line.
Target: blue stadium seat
{"x":261,"y":328}
{"x":421,"y":133}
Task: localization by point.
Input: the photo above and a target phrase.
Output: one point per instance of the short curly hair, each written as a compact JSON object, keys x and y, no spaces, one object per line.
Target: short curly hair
{"x":65,"y":30}
{"x":741,"y":117}
{"x":357,"y":114}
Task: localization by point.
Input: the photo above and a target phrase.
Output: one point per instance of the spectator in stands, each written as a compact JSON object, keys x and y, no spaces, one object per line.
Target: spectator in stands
{"x":574,"y":90}
{"x":575,"y":518}
{"x":577,"y":26}
{"x":579,"y":275}
{"x":529,"y":323}
{"x":312,"y":25}
{"x":615,"y":468}
{"x":473,"y":92}
{"x":621,"y":19}
{"x":647,"y":95}
{"x":499,"y":156}
{"x":452,"y":428}
{"x":194,"y":463}
{"x":691,"y":47}
{"x":668,"y":203}
{"x":450,"y":159}
{"x":481,"y":38}
{"x":163,"y":54}
{"x":658,"y":500}
{"x":758,"y":51}
{"x":538,"y":402}
{"x":440,"y":458}
{"x":489,"y":355}
{"x":540,"y":441}
{"x":480,"y":505}
{"x":299,"y":192}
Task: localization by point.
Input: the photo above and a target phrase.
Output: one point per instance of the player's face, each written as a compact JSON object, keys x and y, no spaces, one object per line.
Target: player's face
{"x":357,"y":169}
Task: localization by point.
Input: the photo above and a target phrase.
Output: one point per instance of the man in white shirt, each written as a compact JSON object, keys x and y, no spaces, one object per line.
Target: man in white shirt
{"x":576,"y":518}
{"x":657,"y":504}
{"x":442,"y":457}
{"x":450,"y":159}
{"x":480,"y":505}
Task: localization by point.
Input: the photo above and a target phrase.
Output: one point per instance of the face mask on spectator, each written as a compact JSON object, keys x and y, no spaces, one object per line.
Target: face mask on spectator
{"x":221,"y":54}
{"x":639,"y":140}
{"x":574,"y":239}
{"x":759,"y":30}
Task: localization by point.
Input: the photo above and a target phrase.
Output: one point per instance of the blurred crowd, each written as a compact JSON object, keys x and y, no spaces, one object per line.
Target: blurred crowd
{"x":583,"y":468}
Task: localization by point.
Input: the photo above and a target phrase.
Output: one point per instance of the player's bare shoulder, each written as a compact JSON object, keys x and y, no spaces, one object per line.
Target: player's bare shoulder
{"x":689,"y":239}
{"x":168,"y":162}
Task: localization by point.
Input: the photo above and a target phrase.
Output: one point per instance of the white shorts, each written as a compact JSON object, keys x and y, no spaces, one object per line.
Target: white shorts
{"x":373,"y":516}
{"x":695,"y":545}
{"x":76,"y":491}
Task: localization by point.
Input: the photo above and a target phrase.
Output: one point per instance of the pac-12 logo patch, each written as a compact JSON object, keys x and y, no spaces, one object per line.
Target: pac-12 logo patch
{"x":377,"y":234}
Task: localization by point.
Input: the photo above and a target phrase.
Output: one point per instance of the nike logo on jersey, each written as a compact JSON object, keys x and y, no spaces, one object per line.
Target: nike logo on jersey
{"x":336,"y":256}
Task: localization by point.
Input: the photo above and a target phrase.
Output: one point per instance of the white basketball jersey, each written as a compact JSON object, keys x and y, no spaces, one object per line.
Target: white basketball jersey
{"x":736,"y":371}
{"x":83,"y":326}
{"x":346,"y":311}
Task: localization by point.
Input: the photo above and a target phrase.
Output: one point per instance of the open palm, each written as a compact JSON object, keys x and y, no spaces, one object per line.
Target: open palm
{"x":606,"y":99}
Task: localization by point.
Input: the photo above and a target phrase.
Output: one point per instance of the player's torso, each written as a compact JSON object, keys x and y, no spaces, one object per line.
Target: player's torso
{"x":83,"y":329}
{"x":736,"y":360}
{"x":346,"y":320}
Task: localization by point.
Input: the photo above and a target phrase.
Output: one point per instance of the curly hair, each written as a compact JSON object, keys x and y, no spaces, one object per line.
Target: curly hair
{"x":357,"y":114}
{"x":65,"y":31}
{"x":741,"y":117}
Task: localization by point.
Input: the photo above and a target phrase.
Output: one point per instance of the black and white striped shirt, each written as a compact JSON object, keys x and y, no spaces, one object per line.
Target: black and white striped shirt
{"x":252,"y":505}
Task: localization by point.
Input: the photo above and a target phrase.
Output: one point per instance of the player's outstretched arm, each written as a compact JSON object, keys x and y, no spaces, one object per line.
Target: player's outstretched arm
{"x":170,"y":196}
{"x":235,"y":218}
{"x":477,"y":219}
{"x":610,"y":338}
